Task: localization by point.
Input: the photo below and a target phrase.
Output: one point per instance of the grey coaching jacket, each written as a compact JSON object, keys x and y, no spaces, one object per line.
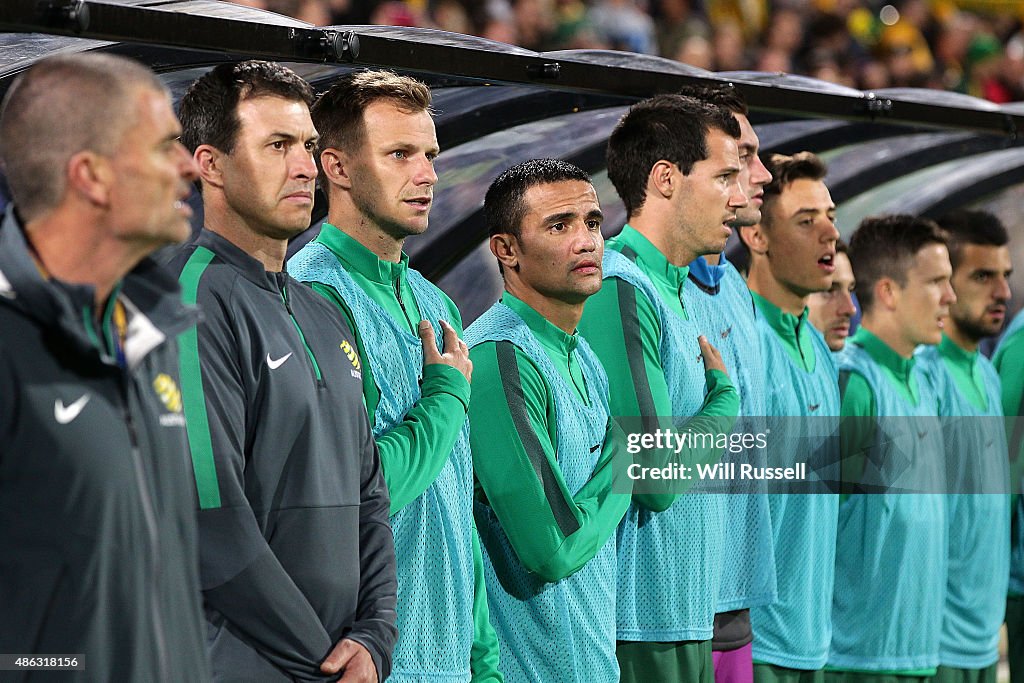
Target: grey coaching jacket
{"x":98,"y":543}
{"x":297,"y":552}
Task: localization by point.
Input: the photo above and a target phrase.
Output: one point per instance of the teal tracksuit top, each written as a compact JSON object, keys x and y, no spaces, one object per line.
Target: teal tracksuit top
{"x":719,"y":303}
{"x":433,"y":543}
{"x":978,"y":517}
{"x":891,"y":549}
{"x":803,"y":400}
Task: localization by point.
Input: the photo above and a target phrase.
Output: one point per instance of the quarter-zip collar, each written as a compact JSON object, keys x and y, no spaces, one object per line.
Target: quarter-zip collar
{"x":957,"y":355}
{"x":250,"y":268}
{"x":707,"y":276}
{"x":558,"y":345}
{"x":794,"y":332}
{"x":963,"y":366}
{"x":358,"y":259}
{"x":548,"y":334}
{"x":896,"y":367}
{"x":668,"y":279}
{"x":652,"y":261}
{"x":884,"y":355}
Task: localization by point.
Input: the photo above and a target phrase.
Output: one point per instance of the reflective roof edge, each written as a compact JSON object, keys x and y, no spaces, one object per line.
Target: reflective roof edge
{"x":179,"y":25}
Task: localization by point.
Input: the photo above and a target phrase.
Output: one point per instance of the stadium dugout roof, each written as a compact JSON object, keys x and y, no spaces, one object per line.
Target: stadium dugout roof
{"x":918,"y":151}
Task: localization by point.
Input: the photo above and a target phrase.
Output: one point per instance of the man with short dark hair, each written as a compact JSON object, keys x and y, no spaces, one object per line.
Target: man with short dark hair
{"x":542,"y":454}
{"x":298,"y":558}
{"x":97,"y":522}
{"x":891,"y":552}
{"x":832,"y":310}
{"x":675,"y":164}
{"x":719,"y":301}
{"x":377,"y":154}
{"x":978,"y":526}
{"x":791,"y":257}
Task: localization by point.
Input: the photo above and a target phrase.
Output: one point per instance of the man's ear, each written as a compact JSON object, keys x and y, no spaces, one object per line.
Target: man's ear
{"x":336,"y":170}
{"x":505,"y":248}
{"x":210,"y":161}
{"x":90,"y":176}
{"x":887,"y":293}
{"x":662,"y":178}
{"x":755,"y":238}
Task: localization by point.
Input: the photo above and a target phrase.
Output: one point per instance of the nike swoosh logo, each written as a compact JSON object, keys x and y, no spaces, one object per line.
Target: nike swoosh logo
{"x":275,"y":363}
{"x":64,"y":414}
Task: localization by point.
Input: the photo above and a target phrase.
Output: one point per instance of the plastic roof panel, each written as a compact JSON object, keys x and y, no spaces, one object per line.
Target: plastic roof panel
{"x":936,"y":189}
{"x":19,"y":50}
{"x":789,"y":81}
{"x":865,"y":166}
{"x":498,"y":104}
{"x":940,"y":97}
{"x":628,"y":60}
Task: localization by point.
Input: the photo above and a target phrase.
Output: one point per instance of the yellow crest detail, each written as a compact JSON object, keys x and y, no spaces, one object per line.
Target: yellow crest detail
{"x":168,"y":392}
{"x":351,"y":354}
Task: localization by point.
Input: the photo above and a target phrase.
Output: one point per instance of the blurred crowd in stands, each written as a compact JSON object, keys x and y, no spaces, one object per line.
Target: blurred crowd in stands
{"x":969,"y":46}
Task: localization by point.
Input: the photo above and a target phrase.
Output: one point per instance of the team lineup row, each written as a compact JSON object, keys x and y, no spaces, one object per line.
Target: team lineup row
{"x":382,"y":494}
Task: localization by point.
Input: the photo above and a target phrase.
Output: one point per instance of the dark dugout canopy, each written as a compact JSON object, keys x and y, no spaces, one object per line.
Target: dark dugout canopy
{"x":899,"y":150}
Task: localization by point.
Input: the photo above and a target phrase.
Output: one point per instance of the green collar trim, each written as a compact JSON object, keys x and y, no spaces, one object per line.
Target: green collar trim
{"x":883,"y":354}
{"x":955,"y":354}
{"x":786,"y":325}
{"x":359,"y":260}
{"x":546,"y":332}
{"x":654,"y":262}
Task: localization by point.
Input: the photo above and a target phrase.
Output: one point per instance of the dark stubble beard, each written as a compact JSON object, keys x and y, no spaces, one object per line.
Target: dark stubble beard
{"x":974,"y":329}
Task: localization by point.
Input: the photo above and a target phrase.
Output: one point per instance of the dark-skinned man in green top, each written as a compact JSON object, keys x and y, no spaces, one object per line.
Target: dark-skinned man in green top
{"x":891,"y":553}
{"x":971,"y":407}
{"x":675,"y":163}
{"x":376,"y":156}
{"x":543,"y":456}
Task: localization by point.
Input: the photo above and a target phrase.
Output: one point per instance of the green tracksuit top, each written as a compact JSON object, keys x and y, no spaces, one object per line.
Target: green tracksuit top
{"x":670,"y":548}
{"x":978,"y":517}
{"x":424,"y":454}
{"x":544,"y":469}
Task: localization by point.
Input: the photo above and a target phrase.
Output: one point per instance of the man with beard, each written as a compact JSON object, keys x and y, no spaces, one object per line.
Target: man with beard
{"x":891,"y":551}
{"x":297,"y":557}
{"x":791,"y":256}
{"x":542,"y":446}
{"x":976,"y":454}
{"x":377,"y":154}
{"x":831,"y":311}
